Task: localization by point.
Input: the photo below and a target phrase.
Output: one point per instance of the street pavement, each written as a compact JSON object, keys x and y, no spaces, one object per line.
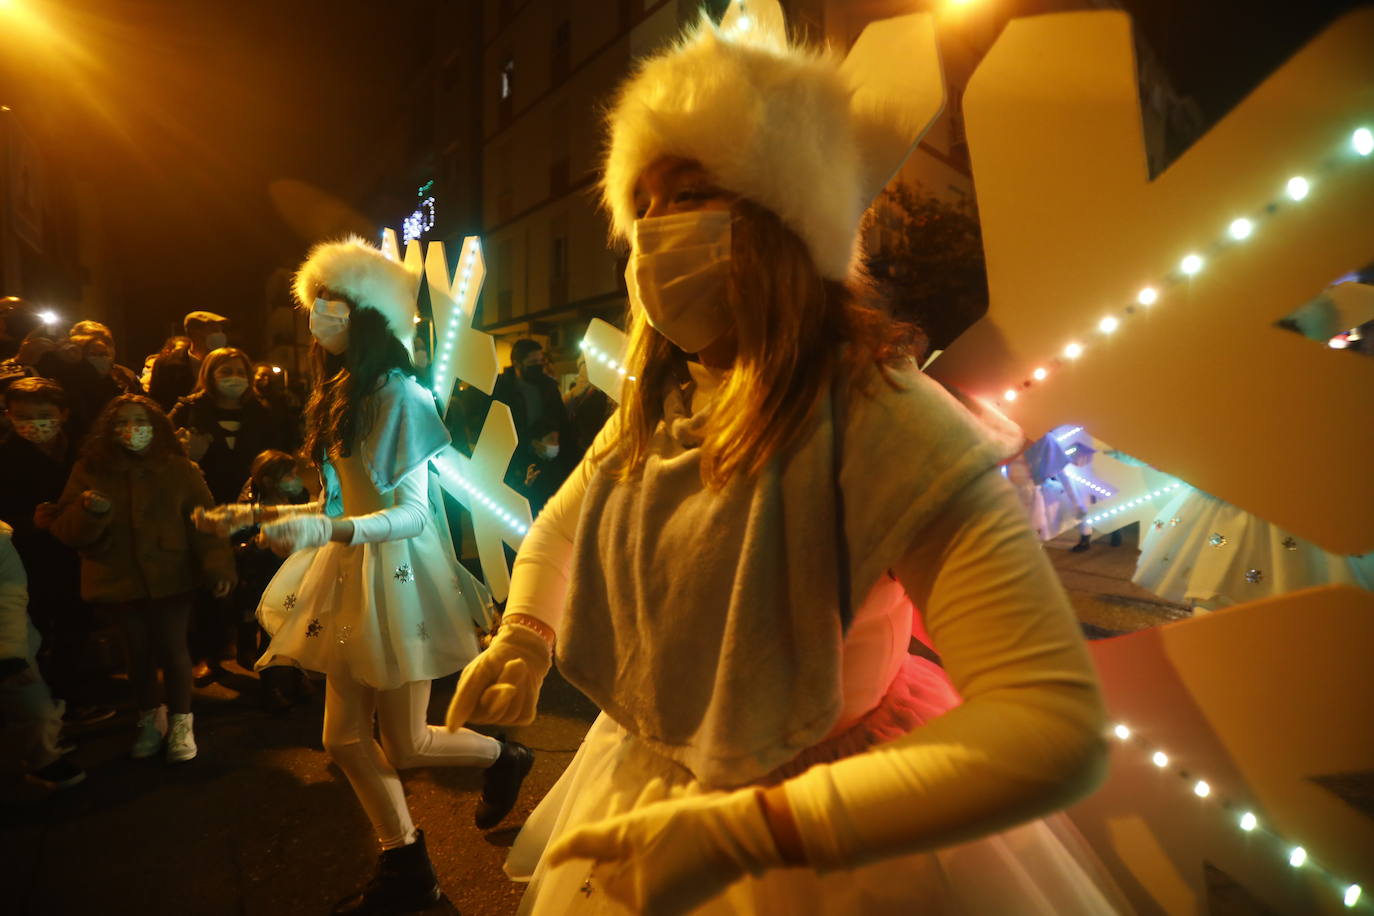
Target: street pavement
{"x":261,"y":823}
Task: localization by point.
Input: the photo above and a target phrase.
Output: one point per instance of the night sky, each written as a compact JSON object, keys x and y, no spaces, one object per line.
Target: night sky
{"x":181,"y":115}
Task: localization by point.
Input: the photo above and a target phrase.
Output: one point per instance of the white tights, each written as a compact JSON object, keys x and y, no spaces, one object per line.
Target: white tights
{"x":407,"y":741}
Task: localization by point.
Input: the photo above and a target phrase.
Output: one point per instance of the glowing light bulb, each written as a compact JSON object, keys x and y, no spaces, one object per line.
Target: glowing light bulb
{"x":1248,"y":822}
{"x":1352,"y":895}
{"x":1201,"y":789}
{"x":1108,"y":325}
{"x":1073,"y":350}
{"x":48,"y":317}
{"x":276,"y":370}
{"x":1241,"y":228}
{"x":1298,"y":187}
{"x":1363,"y":141}
{"x":1191,"y":264}
{"x":613,"y":364}
{"x":1160,"y":759}
{"x":1039,"y":375}
{"x":1009,"y":394}
{"x":1297,"y":857}
{"x":742,"y":23}
{"x":1122,"y":732}
{"x":1147,"y":296}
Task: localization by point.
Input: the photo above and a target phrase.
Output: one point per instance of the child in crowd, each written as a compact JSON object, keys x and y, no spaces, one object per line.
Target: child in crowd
{"x":32,"y":717}
{"x":276,"y":480}
{"x":126,"y":508}
{"x":37,"y":461}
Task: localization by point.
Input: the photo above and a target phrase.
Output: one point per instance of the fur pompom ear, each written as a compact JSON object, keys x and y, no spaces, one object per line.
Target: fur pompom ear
{"x":360,"y":271}
{"x":769,"y":121}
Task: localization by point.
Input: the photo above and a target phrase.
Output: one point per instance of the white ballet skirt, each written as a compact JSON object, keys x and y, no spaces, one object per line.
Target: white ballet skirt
{"x":391,"y":612}
{"x":1200,"y":550}
{"x":1043,"y":868}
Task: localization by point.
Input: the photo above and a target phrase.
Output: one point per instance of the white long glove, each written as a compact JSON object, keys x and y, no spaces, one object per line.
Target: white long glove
{"x":299,"y":532}
{"x":667,"y":857}
{"x":501,"y":686}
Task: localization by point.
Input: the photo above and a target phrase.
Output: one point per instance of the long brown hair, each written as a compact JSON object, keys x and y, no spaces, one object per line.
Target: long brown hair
{"x":340,"y":410}
{"x":102,"y":447}
{"x":795,"y":332}
{"x":213,"y":360}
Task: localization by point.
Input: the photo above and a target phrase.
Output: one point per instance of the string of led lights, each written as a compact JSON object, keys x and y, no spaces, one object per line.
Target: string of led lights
{"x":1247,"y":820}
{"x":455,"y":318}
{"x":1241,"y":228}
{"x":450,"y":472}
{"x":1133,"y":503}
{"x":606,"y":359}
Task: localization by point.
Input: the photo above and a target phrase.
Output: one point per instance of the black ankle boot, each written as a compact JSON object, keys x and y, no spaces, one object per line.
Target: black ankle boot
{"x":501,"y":785}
{"x":1084,"y":540}
{"x":405,"y":882}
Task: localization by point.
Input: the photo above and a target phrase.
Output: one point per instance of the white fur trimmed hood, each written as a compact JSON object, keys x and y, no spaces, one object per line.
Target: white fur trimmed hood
{"x":809,"y":136}
{"x":365,"y":274}
{"x":769,"y":121}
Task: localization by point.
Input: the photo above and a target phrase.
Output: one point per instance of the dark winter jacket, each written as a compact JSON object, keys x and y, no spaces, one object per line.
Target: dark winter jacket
{"x":226,"y":466}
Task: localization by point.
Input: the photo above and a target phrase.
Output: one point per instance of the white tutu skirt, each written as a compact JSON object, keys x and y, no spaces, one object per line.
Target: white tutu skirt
{"x":392,"y":613}
{"x":1203,"y":551}
{"x":1042,"y":868}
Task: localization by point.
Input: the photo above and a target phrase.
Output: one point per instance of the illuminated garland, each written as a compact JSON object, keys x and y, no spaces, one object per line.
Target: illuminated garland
{"x":1247,"y":820}
{"x":1239,"y":229}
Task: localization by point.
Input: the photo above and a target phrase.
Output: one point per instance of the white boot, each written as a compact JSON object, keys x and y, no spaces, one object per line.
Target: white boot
{"x":181,"y":742}
{"x":152,"y":728}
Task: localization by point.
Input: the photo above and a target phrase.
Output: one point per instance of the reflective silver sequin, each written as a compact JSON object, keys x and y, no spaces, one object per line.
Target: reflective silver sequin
{"x":403,"y":574}
{"x":1254,"y":576}
{"x":1217,"y":540}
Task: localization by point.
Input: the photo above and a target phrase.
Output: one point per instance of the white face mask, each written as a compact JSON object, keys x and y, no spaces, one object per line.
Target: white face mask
{"x":37,"y":431}
{"x":546,"y":452}
{"x":215,"y":339}
{"x":232,"y":386}
{"x":135,"y":437}
{"x":679,"y":273}
{"x":291,"y":486}
{"x":329,"y":325}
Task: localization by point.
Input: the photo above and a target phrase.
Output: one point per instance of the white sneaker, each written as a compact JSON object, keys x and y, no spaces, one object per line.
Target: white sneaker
{"x":181,"y":741}
{"x":152,"y":728}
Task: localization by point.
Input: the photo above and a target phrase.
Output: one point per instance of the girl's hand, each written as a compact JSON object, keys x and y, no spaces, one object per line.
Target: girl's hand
{"x":224,"y":520}
{"x":297,"y":532}
{"x":95,"y":502}
{"x":195,"y":443}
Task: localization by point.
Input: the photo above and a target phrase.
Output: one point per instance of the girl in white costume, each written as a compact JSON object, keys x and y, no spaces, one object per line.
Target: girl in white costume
{"x":372,"y":594}
{"x":730,"y":573}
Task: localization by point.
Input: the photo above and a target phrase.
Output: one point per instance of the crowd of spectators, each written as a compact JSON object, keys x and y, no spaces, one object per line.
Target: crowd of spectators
{"x":102,"y":467}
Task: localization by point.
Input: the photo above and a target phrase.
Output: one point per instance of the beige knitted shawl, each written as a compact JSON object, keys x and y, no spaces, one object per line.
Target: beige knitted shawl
{"x":709,"y":623}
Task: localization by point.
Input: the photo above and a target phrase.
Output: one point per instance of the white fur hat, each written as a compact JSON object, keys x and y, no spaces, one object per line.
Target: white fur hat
{"x":364,"y":274}
{"x":796,"y":130}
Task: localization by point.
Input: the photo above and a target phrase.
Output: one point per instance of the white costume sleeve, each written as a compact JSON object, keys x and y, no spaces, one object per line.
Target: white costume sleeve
{"x":539,"y":578}
{"x":1028,"y":737}
{"x":405,"y":519}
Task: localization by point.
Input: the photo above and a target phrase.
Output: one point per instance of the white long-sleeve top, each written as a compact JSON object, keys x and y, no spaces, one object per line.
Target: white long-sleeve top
{"x":1027,"y":738}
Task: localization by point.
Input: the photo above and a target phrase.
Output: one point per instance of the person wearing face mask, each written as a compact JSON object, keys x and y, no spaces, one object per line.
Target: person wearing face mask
{"x":37,"y":461}
{"x":541,"y":420}
{"x":175,"y":372}
{"x":95,"y":378}
{"x":224,"y":426}
{"x":126,"y":509}
{"x":371,"y":594}
{"x":781,"y":503}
